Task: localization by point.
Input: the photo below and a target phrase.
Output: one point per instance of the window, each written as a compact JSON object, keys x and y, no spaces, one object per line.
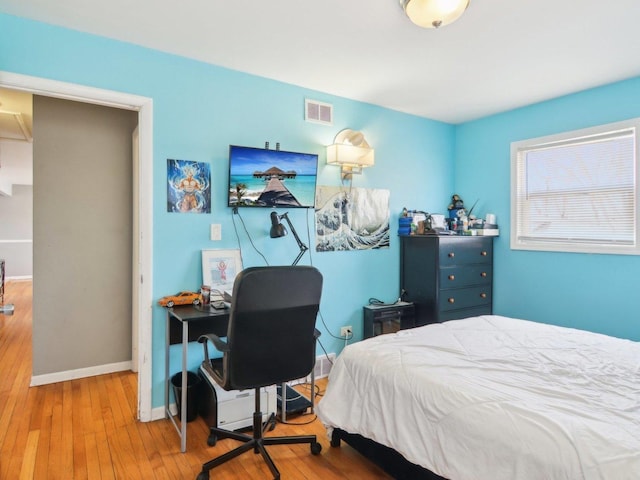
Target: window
{"x":577,"y":191}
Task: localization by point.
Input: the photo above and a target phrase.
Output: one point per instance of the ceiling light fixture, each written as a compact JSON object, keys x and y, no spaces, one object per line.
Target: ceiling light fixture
{"x":434,"y":13}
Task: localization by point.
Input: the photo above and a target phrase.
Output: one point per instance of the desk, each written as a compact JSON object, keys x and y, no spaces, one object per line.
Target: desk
{"x":185,"y":324}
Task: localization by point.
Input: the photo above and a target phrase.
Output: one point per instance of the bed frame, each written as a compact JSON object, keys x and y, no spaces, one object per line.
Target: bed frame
{"x":386,"y":458}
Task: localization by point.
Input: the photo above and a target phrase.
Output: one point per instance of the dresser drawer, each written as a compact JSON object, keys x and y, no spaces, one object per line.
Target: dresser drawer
{"x":472,"y":250}
{"x":467,"y":275}
{"x":464,"y":298}
{"x":465,"y":313}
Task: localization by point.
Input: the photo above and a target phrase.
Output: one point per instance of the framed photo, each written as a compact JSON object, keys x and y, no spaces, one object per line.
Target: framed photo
{"x":219,"y":270}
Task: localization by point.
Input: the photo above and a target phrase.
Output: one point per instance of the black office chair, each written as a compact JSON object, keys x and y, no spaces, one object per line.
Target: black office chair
{"x":271,"y":339}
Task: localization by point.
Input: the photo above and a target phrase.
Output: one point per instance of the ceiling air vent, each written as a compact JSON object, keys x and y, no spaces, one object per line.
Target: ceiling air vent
{"x":318,"y":112}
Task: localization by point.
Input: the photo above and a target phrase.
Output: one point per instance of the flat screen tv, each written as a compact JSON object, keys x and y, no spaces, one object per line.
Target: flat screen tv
{"x":259,"y":177}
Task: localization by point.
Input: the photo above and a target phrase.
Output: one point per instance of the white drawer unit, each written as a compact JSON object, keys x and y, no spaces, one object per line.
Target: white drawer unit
{"x":232,"y":410}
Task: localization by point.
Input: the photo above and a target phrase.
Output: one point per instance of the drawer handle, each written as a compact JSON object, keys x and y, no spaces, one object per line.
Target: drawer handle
{"x":483,"y":274}
{"x":452,"y":300}
{"x":483,"y":253}
{"x":451,"y":254}
{"x":452,"y":277}
{"x":483,"y":295}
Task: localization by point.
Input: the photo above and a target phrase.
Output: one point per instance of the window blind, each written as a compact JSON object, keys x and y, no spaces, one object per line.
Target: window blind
{"x":577,"y":191}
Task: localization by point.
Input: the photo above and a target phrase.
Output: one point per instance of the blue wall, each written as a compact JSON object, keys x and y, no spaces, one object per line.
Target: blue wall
{"x":592,"y":292}
{"x":200,"y":109}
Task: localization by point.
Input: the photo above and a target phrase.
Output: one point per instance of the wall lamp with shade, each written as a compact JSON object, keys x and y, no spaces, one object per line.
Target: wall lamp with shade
{"x":278,"y":230}
{"x":434,"y":13}
{"x":351,"y":152}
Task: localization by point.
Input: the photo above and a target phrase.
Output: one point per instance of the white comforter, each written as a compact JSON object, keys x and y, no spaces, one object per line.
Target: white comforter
{"x":494,"y":398}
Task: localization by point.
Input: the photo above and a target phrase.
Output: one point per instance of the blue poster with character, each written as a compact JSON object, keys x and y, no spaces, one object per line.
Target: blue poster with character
{"x":188,"y":186}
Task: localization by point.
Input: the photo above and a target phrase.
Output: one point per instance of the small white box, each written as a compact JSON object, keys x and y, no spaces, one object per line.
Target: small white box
{"x":233,"y":410}
{"x":437,"y":221}
{"x":488,"y":232}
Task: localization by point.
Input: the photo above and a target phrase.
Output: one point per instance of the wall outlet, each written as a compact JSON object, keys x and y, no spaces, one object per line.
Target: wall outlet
{"x":216,"y":231}
{"x":346,"y":331}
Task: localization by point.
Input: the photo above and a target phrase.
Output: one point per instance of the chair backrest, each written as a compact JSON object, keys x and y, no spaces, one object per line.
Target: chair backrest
{"x":271,"y":333}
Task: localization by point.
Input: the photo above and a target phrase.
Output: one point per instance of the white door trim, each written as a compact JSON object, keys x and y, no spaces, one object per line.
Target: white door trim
{"x":136,"y":275}
{"x":144,"y":202}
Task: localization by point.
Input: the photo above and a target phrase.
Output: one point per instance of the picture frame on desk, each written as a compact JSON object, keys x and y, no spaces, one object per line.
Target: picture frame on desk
{"x":219,"y":270}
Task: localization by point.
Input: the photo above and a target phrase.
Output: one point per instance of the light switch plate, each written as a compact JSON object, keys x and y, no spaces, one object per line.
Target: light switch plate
{"x":216,"y":231}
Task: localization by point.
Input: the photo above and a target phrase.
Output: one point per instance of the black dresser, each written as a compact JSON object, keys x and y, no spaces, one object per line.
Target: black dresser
{"x":446,"y":277}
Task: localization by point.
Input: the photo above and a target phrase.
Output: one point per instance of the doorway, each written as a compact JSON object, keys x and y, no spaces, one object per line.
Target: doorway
{"x":82,"y":239}
{"x":142,"y":205}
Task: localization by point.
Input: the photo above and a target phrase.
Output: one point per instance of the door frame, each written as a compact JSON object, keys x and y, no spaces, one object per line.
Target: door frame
{"x":142,"y":265}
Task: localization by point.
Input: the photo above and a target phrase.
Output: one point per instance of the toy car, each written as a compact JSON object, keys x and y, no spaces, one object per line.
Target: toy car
{"x":180,"y":298}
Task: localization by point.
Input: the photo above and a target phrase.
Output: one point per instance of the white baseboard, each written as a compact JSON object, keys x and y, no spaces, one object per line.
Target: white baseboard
{"x":157,"y":413}
{"x":19,"y":278}
{"x":47,"y":378}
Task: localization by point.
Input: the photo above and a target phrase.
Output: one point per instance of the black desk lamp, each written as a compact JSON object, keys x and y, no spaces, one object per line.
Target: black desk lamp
{"x":278,"y":230}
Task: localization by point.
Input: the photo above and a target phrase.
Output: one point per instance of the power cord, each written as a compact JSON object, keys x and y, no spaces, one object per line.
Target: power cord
{"x":375,"y":301}
{"x":236,"y":212}
{"x":325,"y":351}
{"x":309,"y":238}
{"x":348,"y":337}
{"x":279,"y":420}
{"x":327,"y":328}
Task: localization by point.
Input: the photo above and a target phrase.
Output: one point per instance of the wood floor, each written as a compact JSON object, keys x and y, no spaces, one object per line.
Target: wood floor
{"x":86,"y":428}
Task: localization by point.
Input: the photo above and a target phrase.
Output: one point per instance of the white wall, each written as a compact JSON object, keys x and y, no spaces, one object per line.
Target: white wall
{"x":16,"y":165}
{"x":16,"y":208}
{"x":16,"y":232}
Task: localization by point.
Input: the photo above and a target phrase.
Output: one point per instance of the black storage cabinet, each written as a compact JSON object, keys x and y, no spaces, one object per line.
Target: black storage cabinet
{"x":379,"y":319}
{"x":447,"y":277}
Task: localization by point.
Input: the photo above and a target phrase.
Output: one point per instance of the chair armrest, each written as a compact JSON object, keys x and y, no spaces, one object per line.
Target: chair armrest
{"x":220,"y":345}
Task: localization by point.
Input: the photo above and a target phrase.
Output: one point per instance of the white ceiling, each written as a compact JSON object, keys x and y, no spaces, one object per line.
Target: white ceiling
{"x":16,"y":149}
{"x":16,"y":116}
{"x":500,"y":55}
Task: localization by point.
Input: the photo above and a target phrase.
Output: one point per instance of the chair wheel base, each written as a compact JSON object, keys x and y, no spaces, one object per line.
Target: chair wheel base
{"x":204,"y":475}
{"x":316,"y":448}
{"x":272,"y":424}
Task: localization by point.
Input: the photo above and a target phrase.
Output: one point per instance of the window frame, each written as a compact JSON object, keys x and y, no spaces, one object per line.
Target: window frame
{"x":520,"y":148}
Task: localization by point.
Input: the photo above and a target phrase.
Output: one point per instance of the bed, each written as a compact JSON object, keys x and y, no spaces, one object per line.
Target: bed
{"x":492,"y":398}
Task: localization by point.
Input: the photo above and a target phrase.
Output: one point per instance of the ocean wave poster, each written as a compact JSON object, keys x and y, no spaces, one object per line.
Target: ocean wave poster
{"x":351,"y":219}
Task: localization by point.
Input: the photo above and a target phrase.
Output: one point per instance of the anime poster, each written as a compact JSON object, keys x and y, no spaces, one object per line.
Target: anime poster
{"x":188,"y":186}
{"x":351,"y":219}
